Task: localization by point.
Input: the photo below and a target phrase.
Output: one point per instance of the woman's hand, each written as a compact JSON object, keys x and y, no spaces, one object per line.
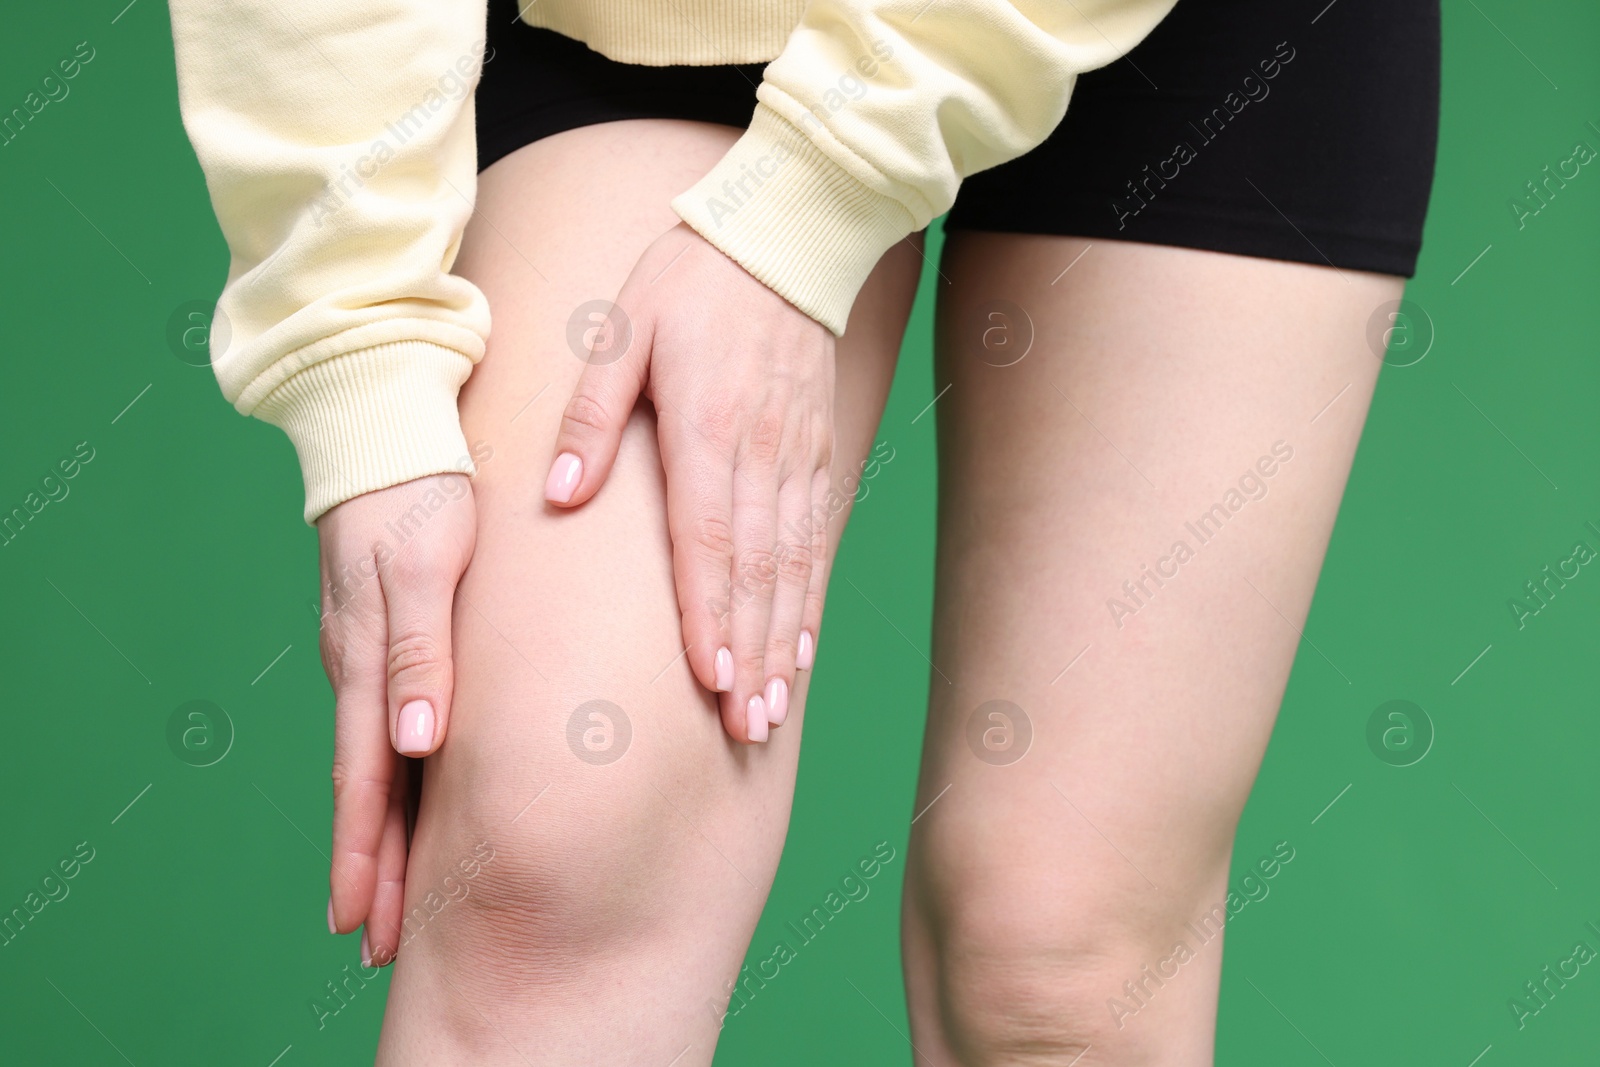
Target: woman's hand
{"x":390,"y":563}
{"x":742,"y":383}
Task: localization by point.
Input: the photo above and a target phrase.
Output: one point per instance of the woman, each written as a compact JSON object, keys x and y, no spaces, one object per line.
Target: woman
{"x":1153,"y":369}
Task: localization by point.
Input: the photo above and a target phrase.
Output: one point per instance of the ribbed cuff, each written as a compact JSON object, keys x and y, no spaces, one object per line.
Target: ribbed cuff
{"x":373,"y":418}
{"x":795,"y":219}
{"x":680,"y":32}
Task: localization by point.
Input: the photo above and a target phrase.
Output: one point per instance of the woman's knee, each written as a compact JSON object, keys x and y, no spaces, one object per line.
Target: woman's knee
{"x":1031,"y":939}
{"x":560,"y":843}
{"x":1045,"y":996}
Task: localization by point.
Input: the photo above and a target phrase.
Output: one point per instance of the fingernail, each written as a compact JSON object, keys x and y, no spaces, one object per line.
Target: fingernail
{"x":414,"y":735}
{"x":777,"y":701}
{"x":564,"y":475}
{"x":756,"y":719}
{"x":332,"y":929}
{"x":807,"y":653}
{"x":366,"y":951}
{"x":724,"y":669}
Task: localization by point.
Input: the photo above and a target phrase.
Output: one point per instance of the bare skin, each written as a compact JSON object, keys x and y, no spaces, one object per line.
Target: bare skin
{"x":610,"y":899}
{"x":621,"y":895}
{"x":1157,"y":378}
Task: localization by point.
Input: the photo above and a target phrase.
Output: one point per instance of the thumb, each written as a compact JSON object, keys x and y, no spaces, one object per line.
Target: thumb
{"x":418,"y":602}
{"x":616,"y":362}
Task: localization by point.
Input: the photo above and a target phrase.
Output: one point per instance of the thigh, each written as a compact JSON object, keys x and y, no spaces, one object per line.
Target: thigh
{"x":632,"y":843}
{"x":1141,"y":459}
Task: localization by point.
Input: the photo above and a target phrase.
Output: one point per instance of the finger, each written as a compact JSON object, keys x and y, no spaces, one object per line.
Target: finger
{"x":792,"y":579}
{"x":419,"y":587}
{"x":822,"y":514}
{"x":381,"y":938}
{"x":755,"y":507}
{"x":591,"y":426}
{"x":363,"y":761}
{"x":700,"y":521}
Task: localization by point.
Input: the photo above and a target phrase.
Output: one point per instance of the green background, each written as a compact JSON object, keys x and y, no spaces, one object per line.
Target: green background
{"x":178,"y":569}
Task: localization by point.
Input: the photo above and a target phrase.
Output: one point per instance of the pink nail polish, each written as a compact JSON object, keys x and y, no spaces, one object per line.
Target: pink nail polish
{"x":724,"y":670}
{"x":777,"y":701}
{"x":332,"y":929}
{"x":414,"y":734}
{"x":756,"y":719}
{"x":366,"y":951}
{"x":806,"y":654}
{"x":565,"y":474}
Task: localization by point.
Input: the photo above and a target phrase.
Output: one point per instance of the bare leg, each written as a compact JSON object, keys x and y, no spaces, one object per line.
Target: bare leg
{"x":633,"y":844}
{"x":1157,"y":381}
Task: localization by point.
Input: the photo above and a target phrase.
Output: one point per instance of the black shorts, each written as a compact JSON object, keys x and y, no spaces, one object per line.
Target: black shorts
{"x":1298,"y":130}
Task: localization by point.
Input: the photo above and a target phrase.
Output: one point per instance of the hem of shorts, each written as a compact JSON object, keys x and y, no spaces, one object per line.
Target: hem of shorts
{"x":1258,"y":237}
{"x":524,"y":127}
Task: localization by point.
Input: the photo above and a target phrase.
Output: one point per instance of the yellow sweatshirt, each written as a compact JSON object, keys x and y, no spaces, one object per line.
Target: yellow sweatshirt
{"x":337,"y":141}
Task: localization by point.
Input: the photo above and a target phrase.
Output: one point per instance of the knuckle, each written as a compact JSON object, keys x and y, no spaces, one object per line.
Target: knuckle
{"x":765,"y":438}
{"x":794,"y":562}
{"x":332,"y":646}
{"x":823,"y":441}
{"x":796,"y":559}
{"x":584,"y":415}
{"x":706,"y":623}
{"x":349,"y":784}
{"x":782,"y":648}
{"x":750,"y":658}
{"x":707,"y":617}
{"x":719,"y":422}
{"x":342,"y":777}
{"x":714,"y":536}
{"x":824,"y":454}
{"x":341,"y":643}
{"x":757,"y":566}
{"x":415,"y":657}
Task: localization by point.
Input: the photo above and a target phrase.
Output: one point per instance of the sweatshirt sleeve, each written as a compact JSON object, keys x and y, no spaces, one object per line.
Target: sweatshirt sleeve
{"x":873,"y":114}
{"x":337,"y":144}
